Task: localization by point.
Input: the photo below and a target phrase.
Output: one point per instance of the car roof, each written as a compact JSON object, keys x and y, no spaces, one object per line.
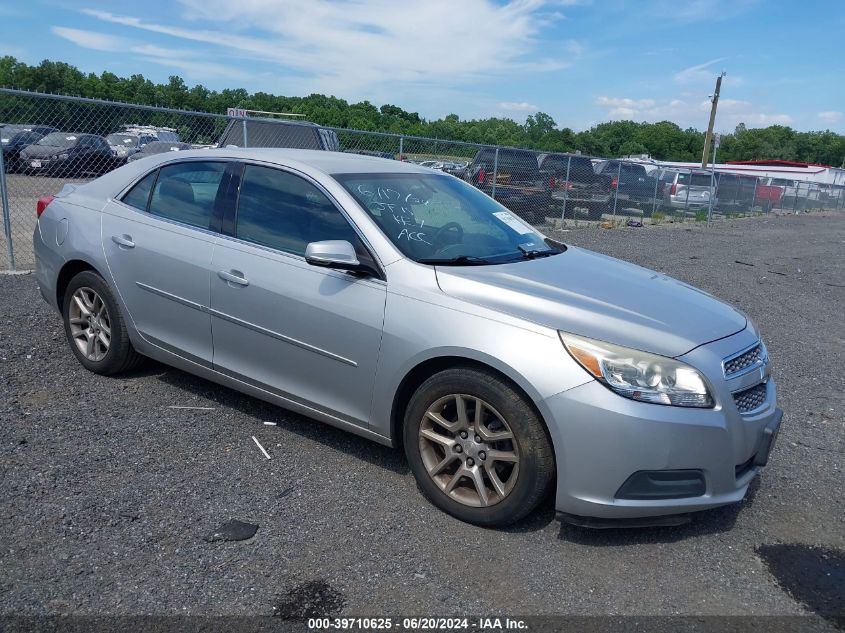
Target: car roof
{"x":326,"y":162}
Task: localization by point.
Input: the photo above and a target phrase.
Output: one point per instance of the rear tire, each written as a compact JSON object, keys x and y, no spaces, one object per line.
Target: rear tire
{"x":95,"y":328}
{"x":489,"y":469}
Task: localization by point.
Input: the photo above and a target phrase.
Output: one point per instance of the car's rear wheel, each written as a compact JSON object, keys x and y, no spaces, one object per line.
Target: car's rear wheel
{"x":94,"y":326}
{"x":477,"y":448}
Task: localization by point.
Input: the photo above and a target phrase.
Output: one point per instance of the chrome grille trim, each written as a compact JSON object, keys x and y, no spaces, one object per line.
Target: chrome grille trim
{"x":745,"y":360}
{"x":750,"y":399}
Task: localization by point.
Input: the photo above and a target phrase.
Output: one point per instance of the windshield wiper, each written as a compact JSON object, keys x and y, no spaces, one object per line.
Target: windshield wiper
{"x":460,"y":260}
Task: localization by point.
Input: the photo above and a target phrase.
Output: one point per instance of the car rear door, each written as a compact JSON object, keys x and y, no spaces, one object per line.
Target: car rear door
{"x":308,"y":334}
{"x":158,"y":241}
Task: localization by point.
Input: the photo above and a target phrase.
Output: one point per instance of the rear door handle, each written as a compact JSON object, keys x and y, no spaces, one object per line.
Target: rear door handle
{"x":233,"y":277}
{"x":123,"y":240}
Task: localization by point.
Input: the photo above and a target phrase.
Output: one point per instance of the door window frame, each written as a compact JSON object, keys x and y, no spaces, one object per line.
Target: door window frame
{"x":220,"y":204}
{"x":229,"y":220}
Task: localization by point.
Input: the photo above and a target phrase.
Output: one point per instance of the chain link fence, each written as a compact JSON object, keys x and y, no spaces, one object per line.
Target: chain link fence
{"x":50,"y":140}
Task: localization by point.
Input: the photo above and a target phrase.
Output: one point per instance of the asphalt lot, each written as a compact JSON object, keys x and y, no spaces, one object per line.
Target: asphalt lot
{"x":108,"y":493}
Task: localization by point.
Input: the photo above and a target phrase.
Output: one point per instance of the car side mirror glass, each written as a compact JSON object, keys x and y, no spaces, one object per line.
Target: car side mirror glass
{"x":338,"y":254}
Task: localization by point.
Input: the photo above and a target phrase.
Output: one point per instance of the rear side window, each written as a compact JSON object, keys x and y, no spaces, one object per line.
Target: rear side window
{"x":139,"y":195}
{"x":286,"y":212}
{"x":186,"y":192}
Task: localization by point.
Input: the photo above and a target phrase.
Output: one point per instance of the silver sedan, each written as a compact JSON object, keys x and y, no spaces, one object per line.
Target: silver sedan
{"x":408,"y":307}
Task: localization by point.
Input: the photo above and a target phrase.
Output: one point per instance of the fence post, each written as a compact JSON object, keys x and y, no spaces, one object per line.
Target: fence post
{"x":712,"y":182}
{"x":246,"y":143}
{"x":495,"y":172}
{"x":754,"y":195}
{"x":616,"y":191}
{"x":654,"y":197}
{"x":401,"y":148}
{"x":566,"y":189}
{"x":7,"y":221}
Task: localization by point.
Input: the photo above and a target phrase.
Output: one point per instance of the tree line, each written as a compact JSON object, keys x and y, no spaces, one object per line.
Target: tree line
{"x":663,"y":140}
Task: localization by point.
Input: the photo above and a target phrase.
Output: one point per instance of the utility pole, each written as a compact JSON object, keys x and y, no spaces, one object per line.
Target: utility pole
{"x":709,"y":136}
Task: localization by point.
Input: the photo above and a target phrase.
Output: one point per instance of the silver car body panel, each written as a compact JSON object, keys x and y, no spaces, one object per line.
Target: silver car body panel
{"x":337,"y":347}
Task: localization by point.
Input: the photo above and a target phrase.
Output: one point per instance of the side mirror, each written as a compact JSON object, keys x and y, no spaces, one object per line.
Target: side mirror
{"x":338,"y":254}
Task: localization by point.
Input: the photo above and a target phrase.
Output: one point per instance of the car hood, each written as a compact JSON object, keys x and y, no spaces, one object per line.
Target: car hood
{"x":598,"y":297}
{"x":42,"y":151}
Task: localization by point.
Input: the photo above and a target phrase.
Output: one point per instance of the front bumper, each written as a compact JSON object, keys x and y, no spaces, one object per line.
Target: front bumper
{"x":602,"y":439}
{"x":44,"y":165}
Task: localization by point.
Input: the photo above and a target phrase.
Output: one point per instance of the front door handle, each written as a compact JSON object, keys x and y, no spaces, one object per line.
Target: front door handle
{"x":123,"y":240}
{"x":233,"y":277}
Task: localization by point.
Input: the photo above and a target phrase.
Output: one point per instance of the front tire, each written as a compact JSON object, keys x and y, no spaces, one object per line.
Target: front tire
{"x":477,"y":448}
{"x":94,"y":326}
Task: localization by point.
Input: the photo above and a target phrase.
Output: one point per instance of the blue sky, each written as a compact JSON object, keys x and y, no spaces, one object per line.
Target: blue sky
{"x":582,"y":62}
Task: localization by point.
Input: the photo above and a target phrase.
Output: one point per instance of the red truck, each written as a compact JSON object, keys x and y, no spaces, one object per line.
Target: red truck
{"x":768,"y":195}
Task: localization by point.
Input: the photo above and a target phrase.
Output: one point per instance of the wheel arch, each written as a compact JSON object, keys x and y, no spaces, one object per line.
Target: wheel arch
{"x":69,"y":270}
{"x":427,"y":368}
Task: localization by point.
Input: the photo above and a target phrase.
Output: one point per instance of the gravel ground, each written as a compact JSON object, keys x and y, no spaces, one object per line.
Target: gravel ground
{"x":108,"y":493}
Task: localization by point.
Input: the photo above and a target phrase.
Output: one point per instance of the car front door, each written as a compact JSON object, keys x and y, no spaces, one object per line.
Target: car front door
{"x":158,"y":241}
{"x":308,"y":334}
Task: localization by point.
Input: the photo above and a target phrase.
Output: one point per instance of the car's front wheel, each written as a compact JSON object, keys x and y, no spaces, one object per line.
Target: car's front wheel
{"x":94,"y":326}
{"x":477,"y":448}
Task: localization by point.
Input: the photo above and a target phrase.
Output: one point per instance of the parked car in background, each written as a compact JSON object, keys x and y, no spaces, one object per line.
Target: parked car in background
{"x":457,"y":169}
{"x":368,"y":152}
{"x":158,"y":147}
{"x":68,"y":154}
{"x":16,"y":137}
{"x":768,"y":195}
{"x":519,"y":185}
{"x":160,"y":133}
{"x":571,"y":177}
{"x":686,"y":189}
{"x":734,"y":192}
{"x":278,"y":133}
{"x":630,"y":180}
{"x":124,"y":145}
{"x":404,"y":305}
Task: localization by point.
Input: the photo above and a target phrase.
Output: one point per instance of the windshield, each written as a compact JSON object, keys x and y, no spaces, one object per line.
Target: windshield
{"x":695,"y":179}
{"x":436,"y":218}
{"x":122,"y":139}
{"x":58,"y":139}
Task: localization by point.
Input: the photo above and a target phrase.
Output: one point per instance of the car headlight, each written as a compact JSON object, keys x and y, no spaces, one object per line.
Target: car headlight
{"x":62,"y":156}
{"x":639,"y":375}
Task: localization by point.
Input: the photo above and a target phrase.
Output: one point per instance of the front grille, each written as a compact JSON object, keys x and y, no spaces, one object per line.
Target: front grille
{"x":751,"y":398}
{"x":745,"y":360}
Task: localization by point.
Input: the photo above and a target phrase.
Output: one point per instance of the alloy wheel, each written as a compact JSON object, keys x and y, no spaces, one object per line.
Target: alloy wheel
{"x":90,"y":325}
{"x":469,"y":450}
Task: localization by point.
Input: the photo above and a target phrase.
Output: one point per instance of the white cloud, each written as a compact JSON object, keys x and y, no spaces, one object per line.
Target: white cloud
{"x":624,"y":102}
{"x":373,"y":49}
{"x":522,"y":106}
{"x":190,"y":62}
{"x":830,"y":116}
{"x":697,"y":73}
{"x":91,"y":39}
{"x":691,"y":113}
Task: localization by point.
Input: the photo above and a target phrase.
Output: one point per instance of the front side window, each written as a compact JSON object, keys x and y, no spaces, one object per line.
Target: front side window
{"x":186,"y":192}
{"x":435,"y":218}
{"x":285,"y":212}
